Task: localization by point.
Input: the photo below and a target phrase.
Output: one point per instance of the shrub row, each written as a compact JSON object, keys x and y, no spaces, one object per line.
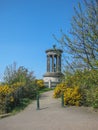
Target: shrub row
{"x":79,"y":88}
{"x":72,"y":95}
{"x":11,"y":95}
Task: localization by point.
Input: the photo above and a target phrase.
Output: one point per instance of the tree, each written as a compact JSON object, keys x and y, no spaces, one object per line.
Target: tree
{"x":82,"y":42}
{"x":21,"y":74}
{"x":10,"y":73}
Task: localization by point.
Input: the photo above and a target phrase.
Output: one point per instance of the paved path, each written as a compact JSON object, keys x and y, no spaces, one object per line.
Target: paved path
{"x":51,"y":116}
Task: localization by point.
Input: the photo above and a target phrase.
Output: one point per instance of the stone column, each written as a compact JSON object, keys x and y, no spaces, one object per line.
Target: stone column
{"x":48,"y":63}
{"x":57,"y":63}
{"x":60,"y":63}
{"x":52,"y":63}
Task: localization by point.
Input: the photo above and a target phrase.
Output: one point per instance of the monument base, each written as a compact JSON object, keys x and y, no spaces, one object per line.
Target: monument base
{"x":51,"y":79}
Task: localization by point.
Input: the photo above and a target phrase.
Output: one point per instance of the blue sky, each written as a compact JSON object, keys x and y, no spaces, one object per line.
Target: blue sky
{"x":26,"y":29}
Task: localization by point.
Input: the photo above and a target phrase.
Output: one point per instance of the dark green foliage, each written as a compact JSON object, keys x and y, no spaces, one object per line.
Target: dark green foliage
{"x":24,"y":102}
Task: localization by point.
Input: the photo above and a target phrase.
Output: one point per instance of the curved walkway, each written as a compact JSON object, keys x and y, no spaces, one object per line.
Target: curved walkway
{"x":51,"y":116}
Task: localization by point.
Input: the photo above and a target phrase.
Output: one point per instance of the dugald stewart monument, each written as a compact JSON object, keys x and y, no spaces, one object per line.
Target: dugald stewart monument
{"x":53,"y":75}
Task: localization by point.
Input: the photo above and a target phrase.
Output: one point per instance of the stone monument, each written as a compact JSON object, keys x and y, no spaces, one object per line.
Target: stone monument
{"x":53,"y":75}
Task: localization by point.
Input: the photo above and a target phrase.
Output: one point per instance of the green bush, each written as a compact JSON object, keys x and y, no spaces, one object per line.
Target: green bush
{"x":12,"y":95}
{"x":92,"y":97}
{"x":86,"y":80}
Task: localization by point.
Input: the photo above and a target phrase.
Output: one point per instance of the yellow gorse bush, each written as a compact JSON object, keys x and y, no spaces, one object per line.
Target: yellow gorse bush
{"x":4,"y":90}
{"x":8,"y":93}
{"x":72,"y":96}
{"x":40,"y":83}
{"x":59,"y":89}
{"x":17,"y":85}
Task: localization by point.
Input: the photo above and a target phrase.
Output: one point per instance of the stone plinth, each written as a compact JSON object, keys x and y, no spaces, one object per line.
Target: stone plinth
{"x":52,"y":79}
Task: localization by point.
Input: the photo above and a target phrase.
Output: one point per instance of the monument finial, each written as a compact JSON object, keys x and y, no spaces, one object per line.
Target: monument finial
{"x":54,"y":46}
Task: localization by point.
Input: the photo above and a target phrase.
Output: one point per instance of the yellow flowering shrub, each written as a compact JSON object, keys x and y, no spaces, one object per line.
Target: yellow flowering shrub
{"x":4,"y":90}
{"x":59,"y":89}
{"x":72,"y":96}
{"x":40,"y":83}
{"x":9,"y":94}
{"x":13,"y":94}
{"x":17,"y":85}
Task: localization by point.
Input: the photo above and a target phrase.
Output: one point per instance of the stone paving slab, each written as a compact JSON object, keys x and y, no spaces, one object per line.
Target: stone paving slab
{"x":51,"y":116}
